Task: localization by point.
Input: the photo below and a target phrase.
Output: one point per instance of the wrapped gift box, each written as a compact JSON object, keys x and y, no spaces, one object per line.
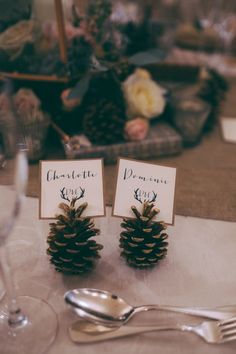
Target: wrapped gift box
{"x":162,"y":140}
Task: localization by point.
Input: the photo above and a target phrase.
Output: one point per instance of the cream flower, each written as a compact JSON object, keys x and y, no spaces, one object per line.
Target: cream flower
{"x":144,"y":97}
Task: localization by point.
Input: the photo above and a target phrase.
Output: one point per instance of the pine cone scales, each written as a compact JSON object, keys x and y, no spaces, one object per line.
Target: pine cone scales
{"x":143,"y":241}
{"x":109,"y":123}
{"x":103,"y":110}
{"x":70,"y":247}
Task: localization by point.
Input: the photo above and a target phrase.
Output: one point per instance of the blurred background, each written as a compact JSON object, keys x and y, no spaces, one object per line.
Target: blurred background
{"x":61,"y":54}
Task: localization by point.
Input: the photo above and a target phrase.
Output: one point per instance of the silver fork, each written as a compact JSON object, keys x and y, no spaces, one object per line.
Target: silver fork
{"x":210,"y":331}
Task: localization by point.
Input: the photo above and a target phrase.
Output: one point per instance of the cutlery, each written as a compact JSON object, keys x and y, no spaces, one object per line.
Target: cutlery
{"x":210,"y":331}
{"x":106,"y":308}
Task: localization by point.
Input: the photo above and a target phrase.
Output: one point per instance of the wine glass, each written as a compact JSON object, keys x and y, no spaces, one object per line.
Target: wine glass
{"x":27,"y":324}
{"x":2,"y":164}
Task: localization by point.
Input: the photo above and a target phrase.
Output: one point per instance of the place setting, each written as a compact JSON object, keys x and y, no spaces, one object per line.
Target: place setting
{"x":72,"y":197}
{"x":103,"y":314}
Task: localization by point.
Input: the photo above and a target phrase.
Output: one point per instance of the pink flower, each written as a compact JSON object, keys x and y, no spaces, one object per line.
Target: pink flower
{"x":69,"y":103}
{"x":136,"y":129}
{"x":26,"y":101}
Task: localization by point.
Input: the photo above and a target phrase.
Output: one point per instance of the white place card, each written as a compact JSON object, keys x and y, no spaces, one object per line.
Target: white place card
{"x":139,"y":181}
{"x":228,"y":126}
{"x":61,"y":181}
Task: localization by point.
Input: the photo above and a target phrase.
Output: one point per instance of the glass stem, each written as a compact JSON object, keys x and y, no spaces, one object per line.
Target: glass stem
{"x":15,"y":316}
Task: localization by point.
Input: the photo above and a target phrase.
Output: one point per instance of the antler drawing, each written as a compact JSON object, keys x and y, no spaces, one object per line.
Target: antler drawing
{"x":136,"y":195}
{"x":63,"y":196}
{"x":146,"y":200}
{"x":81,"y":194}
{"x":153,"y":198}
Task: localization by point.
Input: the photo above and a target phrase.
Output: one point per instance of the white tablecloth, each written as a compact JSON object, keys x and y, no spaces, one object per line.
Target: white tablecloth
{"x":199,"y":270}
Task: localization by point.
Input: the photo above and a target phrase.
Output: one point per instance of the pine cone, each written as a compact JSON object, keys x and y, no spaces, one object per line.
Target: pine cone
{"x":143,"y":242}
{"x":70,"y":247}
{"x":103,"y":110}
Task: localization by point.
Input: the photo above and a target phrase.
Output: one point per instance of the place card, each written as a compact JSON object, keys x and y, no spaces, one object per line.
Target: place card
{"x":139,"y":181}
{"x":228,"y":127}
{"x":61,"y":181}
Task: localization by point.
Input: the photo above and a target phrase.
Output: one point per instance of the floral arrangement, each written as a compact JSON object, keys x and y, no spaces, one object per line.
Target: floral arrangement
{"x":104,"y":32}
{"x":104,"y":41}
{"x":107,"y":120}
{"x":142,"y":102}
{"x":112,"y":96}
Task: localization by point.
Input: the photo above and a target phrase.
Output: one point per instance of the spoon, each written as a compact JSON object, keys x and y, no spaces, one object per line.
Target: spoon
{"x":110,"y":310}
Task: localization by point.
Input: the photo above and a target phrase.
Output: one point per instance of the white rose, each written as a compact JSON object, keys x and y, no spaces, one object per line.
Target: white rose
{"x":144,"y":97}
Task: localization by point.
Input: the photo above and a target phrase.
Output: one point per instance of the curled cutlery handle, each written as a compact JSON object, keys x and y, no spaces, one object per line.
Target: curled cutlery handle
{"x":215,"y":314}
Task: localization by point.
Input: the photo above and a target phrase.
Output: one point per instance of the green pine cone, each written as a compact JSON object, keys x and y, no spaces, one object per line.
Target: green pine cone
{"x":70,"y":246}
{"x":143,"y":242}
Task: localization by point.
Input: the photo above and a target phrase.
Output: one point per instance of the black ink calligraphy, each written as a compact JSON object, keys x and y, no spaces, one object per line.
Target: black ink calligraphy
{"x":53,"y":175}
{"x":130,"y":174}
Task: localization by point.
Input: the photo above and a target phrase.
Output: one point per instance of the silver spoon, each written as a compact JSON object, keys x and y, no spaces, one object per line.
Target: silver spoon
{"x":108,"y":309}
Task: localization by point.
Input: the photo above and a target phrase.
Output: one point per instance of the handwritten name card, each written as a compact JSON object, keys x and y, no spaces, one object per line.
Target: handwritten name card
{"x":228,"y":125}
{"x":61,"y":181}
{"x":139,"y":181}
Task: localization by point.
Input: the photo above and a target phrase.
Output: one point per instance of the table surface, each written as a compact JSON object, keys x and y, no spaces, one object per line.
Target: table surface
{"x":199,"y":270}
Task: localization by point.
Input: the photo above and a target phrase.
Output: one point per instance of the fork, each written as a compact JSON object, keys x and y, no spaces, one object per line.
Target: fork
{"x":211,"y":331}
